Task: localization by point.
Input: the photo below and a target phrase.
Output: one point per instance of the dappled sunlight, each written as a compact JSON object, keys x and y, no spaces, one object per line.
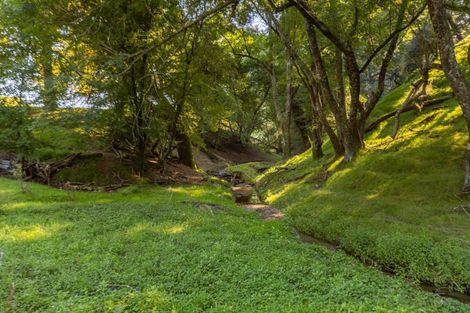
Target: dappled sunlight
{"x":373,"y":196}
{"x":377,"y":133}
{"x":5,"y":192}
{"x":137,"y":229}
{"x":176,"y":229}
{"x":333,"y":166}
{"x":274,"y":197}
{"x":189,"y":191}
{"x":25,"y":205}
{"x":167,"y":229}
{"x":147,"y":301}
{"x":211,"y":156}
{"x":214,"y":193}
{"x":27,"y":233}
{"x":339,"y":175}
{"x":287,"y":190}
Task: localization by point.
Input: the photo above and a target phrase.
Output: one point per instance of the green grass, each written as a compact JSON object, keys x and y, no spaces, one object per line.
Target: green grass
{"x":150,"y":249}
{"x":397,"y":202}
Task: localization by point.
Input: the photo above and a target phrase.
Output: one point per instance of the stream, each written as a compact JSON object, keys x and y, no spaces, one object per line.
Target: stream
{"x":246,"y":195}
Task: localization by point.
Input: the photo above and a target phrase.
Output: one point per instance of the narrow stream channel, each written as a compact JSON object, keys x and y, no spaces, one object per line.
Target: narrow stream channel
{"x":256,"y":202}
{"x":443,"y":292}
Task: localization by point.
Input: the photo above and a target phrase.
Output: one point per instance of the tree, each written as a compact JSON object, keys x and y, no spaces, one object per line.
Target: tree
{"x":305,"y":74}
{"x":455,"y":76}
{"x":349,"y":35}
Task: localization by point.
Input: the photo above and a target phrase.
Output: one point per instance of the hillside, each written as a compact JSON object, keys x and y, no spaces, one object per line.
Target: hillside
{"x":398,"y":203}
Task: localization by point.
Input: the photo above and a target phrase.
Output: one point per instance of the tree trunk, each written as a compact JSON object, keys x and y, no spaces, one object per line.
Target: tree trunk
{"x":318,"y":112}
{"x":317,"y":138}
{"x":277,"y":105}
{"x":352,"y":138}
{"x":323,"y":82}
{"x":288,"y":111}
{"x":48,"y":92}
{"x":339,"y":72}
{"x":185,"y":150}
{"x":352,"y":141}
{"x":302,"y":122}
{"x":140,"y":155}
{"x":451,"y":68}
{"x":140,"y":115}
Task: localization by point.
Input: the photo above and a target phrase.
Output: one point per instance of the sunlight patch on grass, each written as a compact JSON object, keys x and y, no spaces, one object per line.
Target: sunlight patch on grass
{"x":175,"y":229}
{"x":24,"y":205}
{"x":147,"y":301}
{"x":168,"y":229}
{"x":22,"y":233}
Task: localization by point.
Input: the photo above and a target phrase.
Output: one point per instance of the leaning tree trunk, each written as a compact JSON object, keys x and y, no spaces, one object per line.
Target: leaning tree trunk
{"x":451,"y":68}
{"x":319,"y":115}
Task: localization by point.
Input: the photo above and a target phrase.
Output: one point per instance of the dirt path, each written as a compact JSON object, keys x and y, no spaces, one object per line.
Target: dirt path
{"x":247,"y":196}
{"x":265,"y":211}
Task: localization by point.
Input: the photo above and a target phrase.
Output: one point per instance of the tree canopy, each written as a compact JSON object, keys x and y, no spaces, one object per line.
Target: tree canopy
{"x":164,"y":75}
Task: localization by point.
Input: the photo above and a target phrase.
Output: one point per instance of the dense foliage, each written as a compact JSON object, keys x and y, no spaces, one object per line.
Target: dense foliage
{"x":366,"y":101}
{"x":162,"y":75}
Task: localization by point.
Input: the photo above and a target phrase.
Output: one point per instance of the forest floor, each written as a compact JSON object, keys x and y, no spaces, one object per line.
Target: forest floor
{"x":176,"y":249}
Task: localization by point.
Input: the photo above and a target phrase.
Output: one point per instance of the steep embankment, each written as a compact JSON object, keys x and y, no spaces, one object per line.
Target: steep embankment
{"x":398,"y":203}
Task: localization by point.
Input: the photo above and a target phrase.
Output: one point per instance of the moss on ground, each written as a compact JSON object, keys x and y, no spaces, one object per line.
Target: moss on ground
{"x":248,"y":171}
{"x":96,"y":171}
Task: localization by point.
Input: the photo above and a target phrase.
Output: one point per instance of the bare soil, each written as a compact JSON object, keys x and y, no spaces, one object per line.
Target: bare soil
{"x":265,"y":211}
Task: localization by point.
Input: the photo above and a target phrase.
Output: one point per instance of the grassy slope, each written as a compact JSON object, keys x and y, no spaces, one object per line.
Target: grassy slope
{"x":395,"y":202}
{"x":145,"y":250}
{"x":248,"y":171}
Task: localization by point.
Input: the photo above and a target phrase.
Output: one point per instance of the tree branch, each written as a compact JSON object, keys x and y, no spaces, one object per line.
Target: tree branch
{"x":387,"y":116}
{"x":303,"y":8}
{"x":457,"y":8}
{"x":157,"y":43}
{"x":392,"y":36}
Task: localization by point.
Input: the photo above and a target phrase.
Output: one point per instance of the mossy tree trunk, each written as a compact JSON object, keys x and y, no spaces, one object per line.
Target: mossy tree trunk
{"x":185,"y":150}
{"x":454,"y":74}
{"x":303,"y":122}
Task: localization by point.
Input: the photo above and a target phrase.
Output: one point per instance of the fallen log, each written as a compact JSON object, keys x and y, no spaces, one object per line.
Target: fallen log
{"x":413,"y":96}
{"x":43,"y":172}
{"x":423,"y":105}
